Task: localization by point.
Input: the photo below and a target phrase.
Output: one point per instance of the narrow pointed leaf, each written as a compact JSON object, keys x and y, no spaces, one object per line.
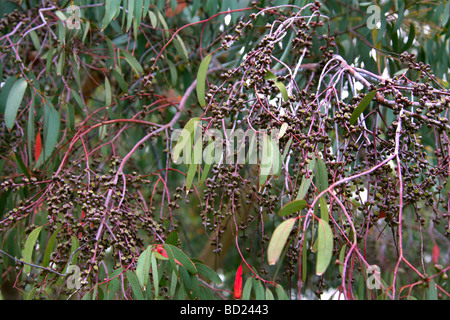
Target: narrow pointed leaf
{"x":134,"y":284}
{"x":324,"y":247}
{"x":246,"y":292}
{"x":321,"y":175}
{"x":362,"y":106}
{"x":280,"y":85}
{"x":278,"y":240}
{"x":143,"y":267}
{"x":13,"y":102}
{"x":29,"y":247}
{"x":208,"y":273}
{"x":132,"y":61}
{"x":181,"y":257}
{"x":292,"y":207}
{"x":201,"y":79}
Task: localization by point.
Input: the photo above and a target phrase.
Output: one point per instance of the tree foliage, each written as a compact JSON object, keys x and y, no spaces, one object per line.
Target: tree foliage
{"x":350,"y":195}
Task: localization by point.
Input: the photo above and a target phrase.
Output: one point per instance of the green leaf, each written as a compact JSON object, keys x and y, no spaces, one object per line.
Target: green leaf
{"x":143,"y":267}
{"x":29,"y":247}
{"x":321,"y":175}
{"x":30,"y":295}
{"x":201,"y":79}
{"x":324,"y":246}
{"x":259,"y":290}
{"x":342,"y":258}
{"x":401,"y":14}
{"x":304,"y":186}
{"x":153,"y":19}
{"x":60,"y":64}
{"x":51,"y":131}
{"x":269,"y":294}
{"x":172,"y":238}
{"x":324,"y":209}
{"x":6,"y":88}
{"x":208,"y":273}
{"x":181,"y":257}
{"x":155,"y":274}
{"x":130,"y":13}
{"x":114,"y":284}
{"x":304,"y":262}
{"x":432,"y":291}
{"x":14,"y":100}
{"x":181,"y":48}
{"x":280,"y":85}
{"x":173,"y":284}
{"x":120,"y":80}
{"x":108,"y":97}
{"x":134,"y":284}
{"x":247,"y":290}
{"x":21,"y":164}
{"x":278,"y":240}
{"x":135,"y":65}
{"x":49,"y":249}
{"x":362,"y":106}
{"x":281,"y":294}
{"x":292,"y":207}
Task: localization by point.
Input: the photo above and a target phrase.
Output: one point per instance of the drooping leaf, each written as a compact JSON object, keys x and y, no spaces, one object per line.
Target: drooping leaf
{"x":108,"y":97}
{"x":269,"y":294}
{"x":362,"y":106}
{"x":323,"y":209}
{"x":181,"y":48}
{"x":155,"y":276}
{"x":181,"y":257}
{"x":324,"y":246}
{"x":143,"y":267}
{"x":29,"y":248}
{"x":49,"y":249}
{"x":134,"y":284}
{"x":280,"y":85}
{"x":130,"y":13}
{"x":14,"y":100}
{"x":292,"y":207}
{"x":5,"y":90}
{"x":321,"y":175}
{"x":278,"y":240}
{"x":246,"y":292}
{"x":201,"y":79}
{"x":283,"y":129}
{"x":120,"y":80}
{"x":132,"y":61}
{"x":281,"y":294}
{"x":208,"y":273}
{"x":432,"y":291}
{"x":342,"y":258}
{"x":304,"y":186}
